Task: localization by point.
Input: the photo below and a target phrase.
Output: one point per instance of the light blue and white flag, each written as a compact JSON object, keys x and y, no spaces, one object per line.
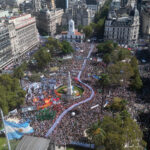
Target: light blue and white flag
{"x":17,"y":130}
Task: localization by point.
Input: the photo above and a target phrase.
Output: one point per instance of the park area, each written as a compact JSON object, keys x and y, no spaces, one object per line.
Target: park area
{"x":3,"y":144}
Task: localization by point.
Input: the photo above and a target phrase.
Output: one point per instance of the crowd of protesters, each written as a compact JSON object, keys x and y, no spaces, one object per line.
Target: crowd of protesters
{"x":73,"y":127}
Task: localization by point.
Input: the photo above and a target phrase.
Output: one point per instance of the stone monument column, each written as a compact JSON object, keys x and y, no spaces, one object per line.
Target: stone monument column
{"x":69,"y":88}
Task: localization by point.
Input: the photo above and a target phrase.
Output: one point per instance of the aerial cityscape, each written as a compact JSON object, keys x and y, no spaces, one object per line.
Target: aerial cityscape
{"x":75,"y":74}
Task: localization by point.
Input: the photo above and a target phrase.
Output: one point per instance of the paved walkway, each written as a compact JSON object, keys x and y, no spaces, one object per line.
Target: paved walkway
{"x":77,"y":104}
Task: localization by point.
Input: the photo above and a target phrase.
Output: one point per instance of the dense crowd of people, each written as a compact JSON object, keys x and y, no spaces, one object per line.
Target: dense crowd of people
{"x":73,"y":127}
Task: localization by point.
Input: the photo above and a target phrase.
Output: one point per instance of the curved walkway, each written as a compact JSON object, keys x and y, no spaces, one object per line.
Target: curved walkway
{"x":77,"y":104}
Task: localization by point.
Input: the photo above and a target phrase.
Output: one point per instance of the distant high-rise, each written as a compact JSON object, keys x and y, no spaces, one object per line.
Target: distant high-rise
{"x":36,"y":5}
{"x":51,"y":4}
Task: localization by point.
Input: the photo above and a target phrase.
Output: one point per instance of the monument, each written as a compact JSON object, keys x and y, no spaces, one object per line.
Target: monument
{"x":69,"y":91}
{"x":69,"y":88}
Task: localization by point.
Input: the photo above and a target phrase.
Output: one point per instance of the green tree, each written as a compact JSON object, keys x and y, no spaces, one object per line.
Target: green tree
{"x":99,"y":28}
{"x":124,"y":114}
{"x":104,"y":83}
{"x":107,"y":58}
{"x":117,"y":105}
{"x":136,"y":82}
{"x":18,"y":73}
{"x":11,"y":95}
{"x":53,"y":45}
{"x":118,"y":133}
{"x":66,"y":48}
{"x":42,"y":58}
{"x":134,"y":62}
{"x":87,"y":31}
{"x":123,"y":54}
{"x":96,"y":133}
{"x":80,"y":27}
{"x":106,"y":47}
{"x":120,"y":73}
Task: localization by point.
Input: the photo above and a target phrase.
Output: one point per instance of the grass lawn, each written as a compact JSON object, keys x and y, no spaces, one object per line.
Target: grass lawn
{"x":3,"y":143}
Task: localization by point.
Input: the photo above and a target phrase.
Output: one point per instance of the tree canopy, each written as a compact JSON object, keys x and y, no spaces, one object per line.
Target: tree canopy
{"x":122,"y":67}
{"x":118,"y":104}
{"x":11,"y":95}
{"x":53,"y":45}
{"x":87,"y":31}
{"x":42,"y":58}
{"x":117,"y":134}
{"x":66,"y":48}
{"x":120,"y":73}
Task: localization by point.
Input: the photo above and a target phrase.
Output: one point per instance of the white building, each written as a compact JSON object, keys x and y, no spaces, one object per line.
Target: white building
{"x":122,"y":26}
{"x":72,"y":34}
{"x":5,"y":47}
{"x":4,"y":13}
{"x":13,"y":3}
{"x":23,"y":34}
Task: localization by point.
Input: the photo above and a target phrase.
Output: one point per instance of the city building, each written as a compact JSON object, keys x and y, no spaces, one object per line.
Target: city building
{"x":80,"y":13}
{"x":37,"y":5}
{"x":95,"y":5}
{"x":23,"y":34}
{"x":72,"y":34}
{"x":145,"y":19}
{"x":50,"y":4}
{"x":122,"y":26}
{"x":26,"y":7}
{"x":48,"y":21}
{"x":115,"y":5}
{"x":4,"y":13}
{"x":6,"y":56}
{"x":14,"y":3}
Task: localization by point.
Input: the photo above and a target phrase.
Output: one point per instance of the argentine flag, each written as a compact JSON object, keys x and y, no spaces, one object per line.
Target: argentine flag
{"x":17,"y":130}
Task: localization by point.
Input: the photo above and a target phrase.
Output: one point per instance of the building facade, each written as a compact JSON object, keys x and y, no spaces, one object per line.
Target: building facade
{"x":80,"y":13}
{"x":6,"y":56}
{"x":145,"y":19}
{"x":14,"y":3}
{"x":36,"y":5}
{"x":23,"y":34}
{"x":122,"y":26}
{"x":95,"y":5}
{"x":72,"y":34}
{"x":48,"y":21}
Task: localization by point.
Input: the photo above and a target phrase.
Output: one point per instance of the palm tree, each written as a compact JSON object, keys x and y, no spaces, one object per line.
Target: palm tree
{"x":104,"y":82}
{"x":96,"y":134}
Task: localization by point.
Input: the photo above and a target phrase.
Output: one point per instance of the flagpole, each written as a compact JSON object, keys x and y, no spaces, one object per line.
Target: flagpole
{"x":9,"y":148}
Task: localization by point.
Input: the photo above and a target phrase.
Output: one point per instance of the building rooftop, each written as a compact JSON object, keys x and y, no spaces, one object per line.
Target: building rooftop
{"x":75,"y":33}
{"x":78,"y":33}
{"x":22,"y":20}
{"x":33,"y":143}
